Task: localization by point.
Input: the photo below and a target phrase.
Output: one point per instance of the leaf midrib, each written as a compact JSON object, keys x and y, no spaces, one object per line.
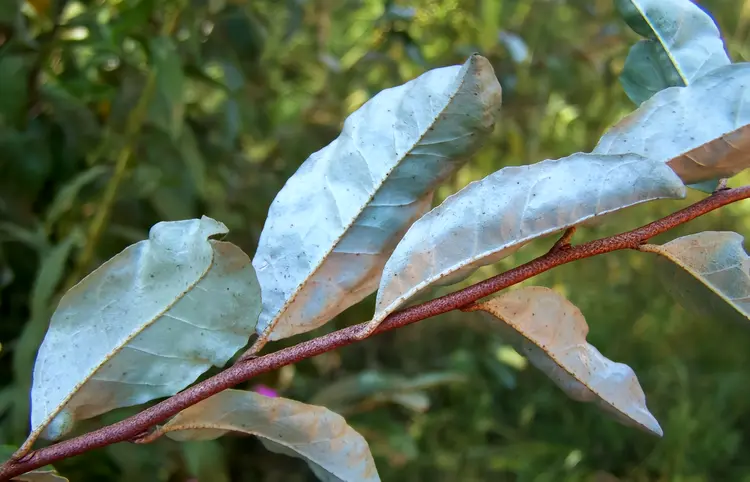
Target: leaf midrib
{"x":489,"y":252}
{"x":113,"y":353}
{"x":662,"y":42}
{"x":267,"y":331}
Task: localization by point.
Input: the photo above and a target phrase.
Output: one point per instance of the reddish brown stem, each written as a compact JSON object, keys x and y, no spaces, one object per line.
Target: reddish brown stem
{"x":136,"y":425}
{"x":564,"y":241}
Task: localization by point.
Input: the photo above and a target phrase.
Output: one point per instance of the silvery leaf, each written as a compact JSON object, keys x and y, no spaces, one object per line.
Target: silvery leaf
{"x":551,"y":332}
{"x":700,"y":130}
{"x":708,"y":273}
{"x":492,"y":218}
{"x":336,"y":221}
{"x":144,"y":325}
{"x":683,"y":44}
{"x":333,"y":450}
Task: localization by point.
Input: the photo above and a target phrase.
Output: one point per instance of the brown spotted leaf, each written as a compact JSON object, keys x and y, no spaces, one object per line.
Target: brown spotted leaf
{"x":333,"y":226}
{"x":332,"y":449}
{"x":725,"y":156}
{"x":551,"y":332}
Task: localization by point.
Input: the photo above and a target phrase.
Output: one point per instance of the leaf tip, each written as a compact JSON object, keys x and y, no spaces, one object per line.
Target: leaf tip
{"x":649,"y":424}
{"x":489,"y":87}
{"x":657,"y":430}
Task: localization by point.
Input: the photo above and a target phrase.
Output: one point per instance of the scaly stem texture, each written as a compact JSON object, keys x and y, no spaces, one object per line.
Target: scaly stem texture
{"x":139,"y":424}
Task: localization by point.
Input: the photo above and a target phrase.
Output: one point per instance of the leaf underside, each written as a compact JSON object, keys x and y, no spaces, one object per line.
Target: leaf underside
{"x":700,"y":130}
{"x":376,"y":386}
{"x":334,"y":451}
{"x":333,"y":225}
{"x":551,"y":332}
{"x":144,"y":325}
{"x":708,"y":273}
{"x":492,"y":218}
{"x":682,"y":44}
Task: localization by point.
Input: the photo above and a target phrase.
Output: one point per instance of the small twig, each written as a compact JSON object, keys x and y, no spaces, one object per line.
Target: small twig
{"x":564,"y":241}
{"x":247,"y":356}
{"x":649,"y":248}
{"x":251,"y":352}
{"x":241,"y":372}
{"x":147,"y":436}
{"x":19,"y":457}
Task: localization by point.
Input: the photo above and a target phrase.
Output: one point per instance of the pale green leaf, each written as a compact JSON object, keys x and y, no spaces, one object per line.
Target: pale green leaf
{"x":144,"y":325}
{"x":492,"y":218}
{"x":52,"y":263}
{"x":42,"y":474}
{"x":377,"y":386}
{"x":68,"y":193}
{"x":334,"y":451}
{"x":336,"y":221}
{"x":515,"y":46}
{"x":35,"y":239}
{"x":14,"y":70}
{"x":700,"y":130}
{"x":416,"y":401}
{"x":551,"y":332}
{"x":167,"y":110}
{"x":708,"y":273}
{"x":683,"y":44}
{"x":706,"y":186}
{"x":191,"y":155}
{"x":77,"y":121}
{"x":51,"y":269}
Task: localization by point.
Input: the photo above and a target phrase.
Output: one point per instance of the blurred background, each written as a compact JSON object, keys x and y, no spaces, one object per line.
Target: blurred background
{"x":117,"y":114}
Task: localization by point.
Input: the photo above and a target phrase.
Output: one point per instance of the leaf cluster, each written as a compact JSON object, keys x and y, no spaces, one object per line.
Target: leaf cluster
{"x":140,"y":104}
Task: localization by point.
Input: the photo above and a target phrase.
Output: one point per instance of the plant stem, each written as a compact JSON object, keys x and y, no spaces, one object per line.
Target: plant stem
{"x":564,"y":241}
{"x":135,"y":426}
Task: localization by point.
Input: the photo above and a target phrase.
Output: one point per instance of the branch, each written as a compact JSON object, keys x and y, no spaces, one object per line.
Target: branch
{"x":564,"y":241}
{"x":135,"y":426}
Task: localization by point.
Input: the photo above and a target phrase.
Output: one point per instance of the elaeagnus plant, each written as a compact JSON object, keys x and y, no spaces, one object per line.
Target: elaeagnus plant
{"x":357,"y":218}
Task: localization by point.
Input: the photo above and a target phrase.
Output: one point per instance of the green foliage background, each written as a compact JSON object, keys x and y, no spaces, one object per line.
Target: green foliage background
{"x":116,"y":114}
